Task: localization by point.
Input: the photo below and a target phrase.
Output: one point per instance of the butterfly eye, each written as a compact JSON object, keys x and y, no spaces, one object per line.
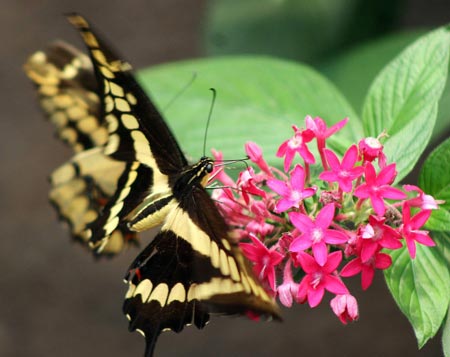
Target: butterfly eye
{"x":209,"y":167}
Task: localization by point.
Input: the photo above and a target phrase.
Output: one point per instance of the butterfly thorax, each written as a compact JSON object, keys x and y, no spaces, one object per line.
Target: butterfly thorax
{"x":194,"y":175}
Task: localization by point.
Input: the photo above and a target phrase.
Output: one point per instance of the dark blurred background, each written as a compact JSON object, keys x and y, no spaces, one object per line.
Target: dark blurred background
{"x":54,"y":299}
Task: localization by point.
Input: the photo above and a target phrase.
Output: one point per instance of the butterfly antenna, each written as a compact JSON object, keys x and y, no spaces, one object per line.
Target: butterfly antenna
{"x":180,"y":92}
{"x":209,"y":119}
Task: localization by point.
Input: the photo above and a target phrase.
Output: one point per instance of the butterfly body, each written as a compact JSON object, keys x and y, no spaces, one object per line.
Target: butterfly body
{"x":128,"y":175}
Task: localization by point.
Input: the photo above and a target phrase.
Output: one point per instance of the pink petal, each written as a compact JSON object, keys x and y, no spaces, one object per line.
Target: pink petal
{"x":282,"y":149}
{"x":335,"y":285}
{"x":320,"y":252}
{"x":351,"y":268}
{"x":279,"y":187}
{"x":334,"y":128}
{"x":367,"y":275}
{"x":300,"y":244}
{"x":298,"y":178}
{"x":368,"y":250}
{"x":383,"y":261}
{"x":423,"y":238}
{"x":307,"y":262}
{"x":307,"y":155}
{"x":420,"y":219}
{"x":334,"y":259}
{"x":378,"y":205}
{"x":315,"y":296}
{"x":362,"y":191}
{"x":350,"y":157}
{"x":332,"y":159}
{"x":303,"y":287}
{"x":308,"y":192}
{"x":284,"y":204}
{"x":411,"y":245}
{"x":253,"y":151}
{"x":333,"y":236}
{"x":250,"y":251}
{"x":288,"y":159}
{"x":325,"y":216}
{"x":302,"y":222}
{"x":392,"y":193}
{"x":386,"y":175}
{"x":370,"y":174}
{"x":271,"y":277}
{"x":285,"y":295}
{"x":329,"y":176}
{"x":345,"y":184}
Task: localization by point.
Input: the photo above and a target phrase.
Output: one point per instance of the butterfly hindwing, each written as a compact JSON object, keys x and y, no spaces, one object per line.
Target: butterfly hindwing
{"x":67,"y":91}
{"x":190,"y":270}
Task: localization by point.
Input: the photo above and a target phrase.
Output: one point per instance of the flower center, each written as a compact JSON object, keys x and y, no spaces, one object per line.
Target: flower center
{"x":343,"y":174}
{"x":295,"y":142}
{"x":316,"y":279}
{"x":317,"y":235}
{"x":296,"y":196}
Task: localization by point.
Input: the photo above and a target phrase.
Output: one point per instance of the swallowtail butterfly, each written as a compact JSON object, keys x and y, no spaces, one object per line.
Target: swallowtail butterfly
{"x":129,"y":174}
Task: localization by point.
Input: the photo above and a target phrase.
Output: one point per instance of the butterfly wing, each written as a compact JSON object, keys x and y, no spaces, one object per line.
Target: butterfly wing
{"x":190,"y":270}
{"x":67,"y":90}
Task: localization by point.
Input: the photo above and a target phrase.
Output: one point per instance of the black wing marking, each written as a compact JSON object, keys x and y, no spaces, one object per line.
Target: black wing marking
{"x":188,"y":271}
{"x":67,"y":91}
{"x":128,"y":108}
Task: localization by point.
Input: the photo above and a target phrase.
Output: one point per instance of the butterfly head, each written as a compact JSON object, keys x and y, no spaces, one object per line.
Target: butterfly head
{"x":204,"y":168}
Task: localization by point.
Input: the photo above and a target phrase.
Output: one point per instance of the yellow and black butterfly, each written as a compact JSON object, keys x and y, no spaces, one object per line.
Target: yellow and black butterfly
{"x":128,"y":175}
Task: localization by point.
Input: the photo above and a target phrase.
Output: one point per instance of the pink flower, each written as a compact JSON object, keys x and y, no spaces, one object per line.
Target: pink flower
{"x":289,"y":289}
{"x":370,"y":149}
{"x":294,"y":193}
{"x":410,"y":229}
{"x":345,"y":307}
{"x":344,"y":173}
{"x":316,"y":234}
{"x":367,"y":269}
{"x":218,"y":172}
{"x":378,"y":187}
{"x":423,"y":200}
{"x":265,"y":259}
{"x":296,"y":144}
{"x":254,"y":152}
{"x":246,"y":182}
{"x":319,"y":127}
{"x":376,"y":234}
{"x":319,"y":278}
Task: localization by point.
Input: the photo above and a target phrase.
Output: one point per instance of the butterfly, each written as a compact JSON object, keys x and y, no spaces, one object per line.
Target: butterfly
{"x":128,"y":175}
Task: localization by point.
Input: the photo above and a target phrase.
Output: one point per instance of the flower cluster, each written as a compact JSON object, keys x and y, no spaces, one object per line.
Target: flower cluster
{"x":305,"y":234}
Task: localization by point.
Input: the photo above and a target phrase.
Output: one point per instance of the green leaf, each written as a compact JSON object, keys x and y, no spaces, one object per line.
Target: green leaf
{"x":434,"y":179}
{"x":421,"y":288}
{"x":403,"y":99}
{"x":354,"y":70}
{"x":296,"y":29}
{"x":258,"y":98}
{"x":446,"y":336}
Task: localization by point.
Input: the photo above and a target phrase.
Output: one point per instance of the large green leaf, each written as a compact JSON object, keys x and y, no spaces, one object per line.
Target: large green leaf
{"x":446,"y":336}
{"x":434,"y":179}
{"x":296,"y":29}
{"x":403,"y":100}
{"x":258,"y":99}
{"x":354,"y":71}
{"x":421,"y":288}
